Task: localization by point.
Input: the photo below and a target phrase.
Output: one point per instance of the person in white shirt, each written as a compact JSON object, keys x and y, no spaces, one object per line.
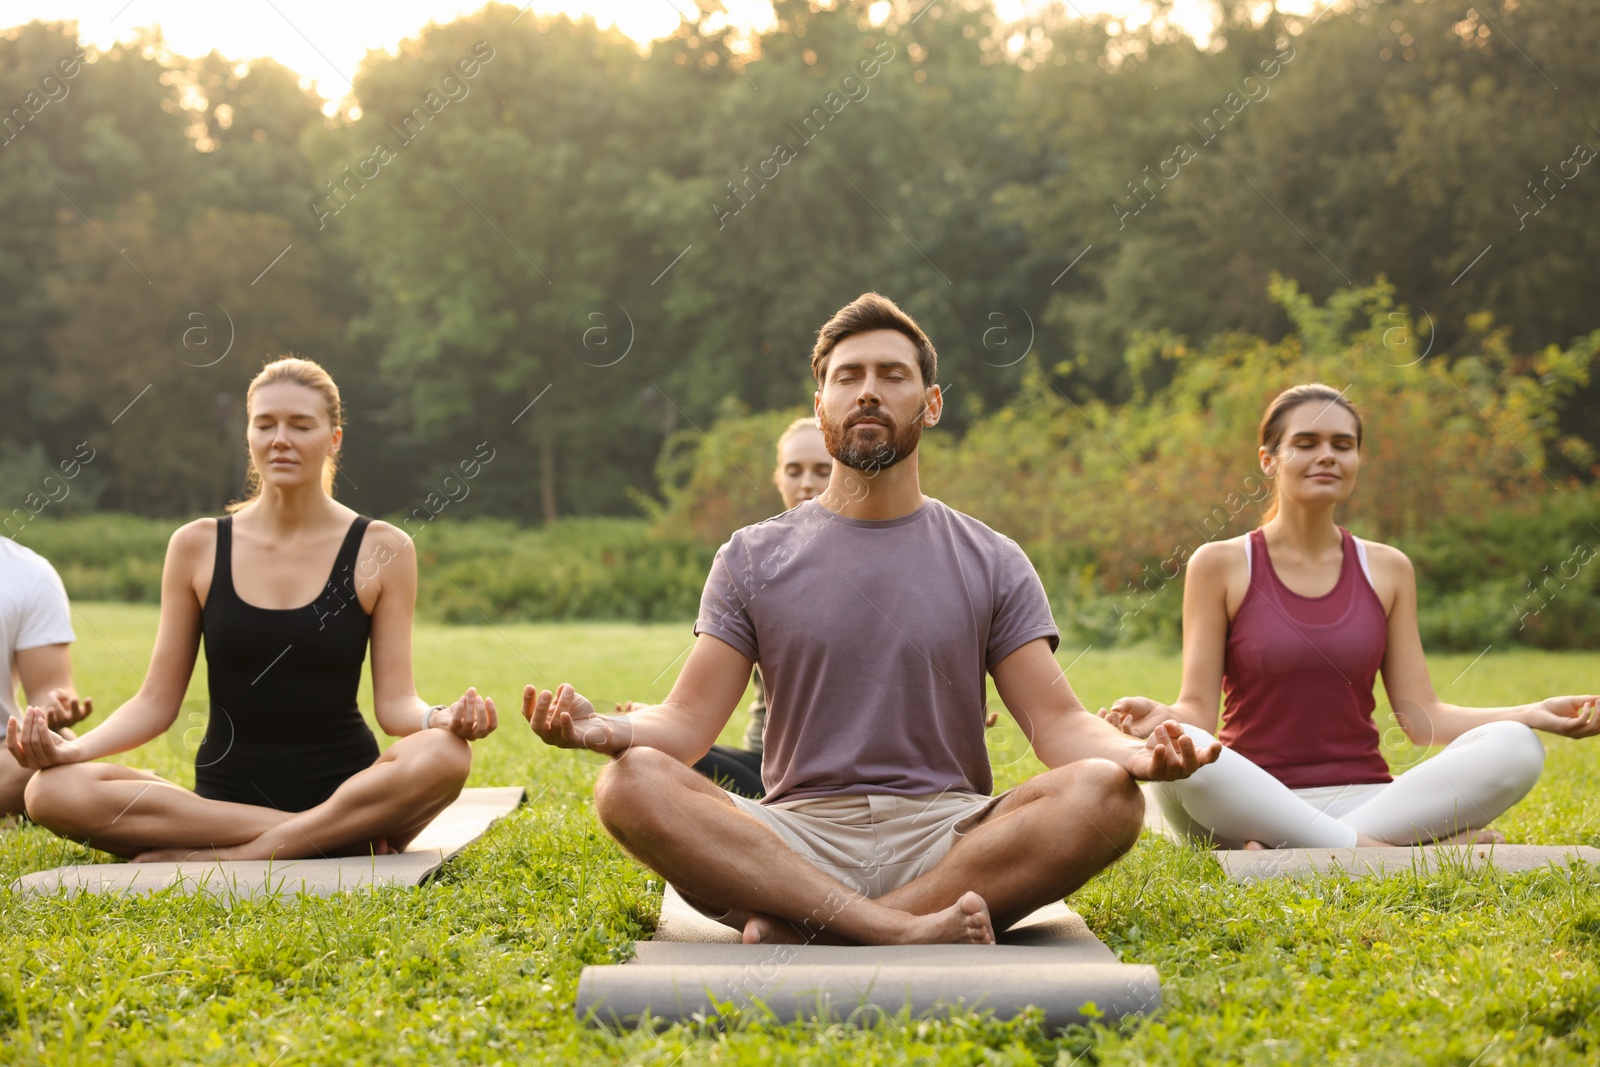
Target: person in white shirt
{"x":35,"y":639}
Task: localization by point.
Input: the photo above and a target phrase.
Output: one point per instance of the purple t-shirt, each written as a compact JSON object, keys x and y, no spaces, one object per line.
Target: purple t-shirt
{"x":874,"y":637}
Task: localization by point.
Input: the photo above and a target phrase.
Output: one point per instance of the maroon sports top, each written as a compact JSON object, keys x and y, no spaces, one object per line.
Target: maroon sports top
{"x":1298,"y":676}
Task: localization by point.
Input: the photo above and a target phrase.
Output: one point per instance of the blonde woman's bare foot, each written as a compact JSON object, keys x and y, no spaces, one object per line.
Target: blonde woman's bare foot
{"x":1254,"y":846}
{"x":376,"y":847}
{"x":190,"y":854}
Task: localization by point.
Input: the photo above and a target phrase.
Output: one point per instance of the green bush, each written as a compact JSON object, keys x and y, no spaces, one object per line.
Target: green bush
{"x":1109,"y":501}
{"x":487,"y":569}
{"x":105,"y":556}
{"x":472,"y":571}
{"x":718,"y":480}
{"x":1522,"y":575}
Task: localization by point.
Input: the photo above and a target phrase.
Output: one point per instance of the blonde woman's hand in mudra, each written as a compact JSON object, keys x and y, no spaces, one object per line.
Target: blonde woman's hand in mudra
{"x":471,"y":717}
{"x":34,"y":745}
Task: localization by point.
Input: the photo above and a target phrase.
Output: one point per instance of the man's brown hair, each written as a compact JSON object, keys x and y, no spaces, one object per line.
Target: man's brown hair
{"x":873,"y":311}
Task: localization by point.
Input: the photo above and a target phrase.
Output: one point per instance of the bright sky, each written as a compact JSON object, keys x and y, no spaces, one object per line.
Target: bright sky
{"x":326,"y":41}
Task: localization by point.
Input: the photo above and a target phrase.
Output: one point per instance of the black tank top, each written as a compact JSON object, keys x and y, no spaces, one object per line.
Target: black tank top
{"x":284,"y":728}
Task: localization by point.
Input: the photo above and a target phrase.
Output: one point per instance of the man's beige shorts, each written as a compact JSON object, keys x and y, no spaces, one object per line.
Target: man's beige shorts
{"x":873,"y":843}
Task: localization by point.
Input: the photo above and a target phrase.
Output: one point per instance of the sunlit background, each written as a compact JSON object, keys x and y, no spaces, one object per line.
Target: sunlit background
{"x":325,"y":42}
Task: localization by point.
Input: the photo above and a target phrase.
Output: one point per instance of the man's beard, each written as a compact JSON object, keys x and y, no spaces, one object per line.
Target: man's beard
{"x":848,"y":446}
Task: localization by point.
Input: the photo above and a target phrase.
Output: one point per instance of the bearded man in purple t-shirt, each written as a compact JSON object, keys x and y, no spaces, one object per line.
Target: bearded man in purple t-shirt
{"x":875,"y":613}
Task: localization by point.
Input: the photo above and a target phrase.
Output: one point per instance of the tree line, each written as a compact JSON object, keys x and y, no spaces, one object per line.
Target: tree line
{"x":530,"y":237}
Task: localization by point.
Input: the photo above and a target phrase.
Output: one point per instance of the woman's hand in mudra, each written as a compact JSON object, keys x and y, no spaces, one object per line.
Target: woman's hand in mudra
{"x":34,"y":745}
{"x":471,"y":717}
{"x":1137,"y":716}
{"x":1569,"y":716}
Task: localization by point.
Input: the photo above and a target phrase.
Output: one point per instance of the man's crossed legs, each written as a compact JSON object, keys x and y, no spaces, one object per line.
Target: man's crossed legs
{"x":1038,"y":843}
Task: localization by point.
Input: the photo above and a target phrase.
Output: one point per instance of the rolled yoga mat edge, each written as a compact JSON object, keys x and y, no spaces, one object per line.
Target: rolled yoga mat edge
{"x":696,"y":967}
{"x":625,"y":996}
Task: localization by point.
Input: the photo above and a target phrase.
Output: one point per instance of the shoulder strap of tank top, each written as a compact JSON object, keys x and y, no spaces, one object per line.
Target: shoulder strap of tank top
{"x":351,"y":549}
{"x":222,"y":562}
{"x":1361,"y":554}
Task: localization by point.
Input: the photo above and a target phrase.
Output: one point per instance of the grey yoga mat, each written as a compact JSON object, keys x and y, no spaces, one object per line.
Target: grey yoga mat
{"x":697,"y":967}
{"x":450,"y":831}
{"x":1245,"y":865}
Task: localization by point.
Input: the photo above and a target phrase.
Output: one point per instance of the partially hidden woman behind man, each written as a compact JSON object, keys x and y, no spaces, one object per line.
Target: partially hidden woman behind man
{"x":287,"y":591}
{"x":1293,"y":622}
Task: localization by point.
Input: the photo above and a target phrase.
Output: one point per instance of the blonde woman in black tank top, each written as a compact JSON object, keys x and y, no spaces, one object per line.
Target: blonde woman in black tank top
{"x":287,"y":593}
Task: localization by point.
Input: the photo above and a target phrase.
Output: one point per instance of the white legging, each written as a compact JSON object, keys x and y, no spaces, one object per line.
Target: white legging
{"x":1478,"y":775}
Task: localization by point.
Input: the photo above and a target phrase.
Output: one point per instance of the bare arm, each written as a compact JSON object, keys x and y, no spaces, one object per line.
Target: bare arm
{"x":1205,"y":640}
{"x":389,"y":559}
{"x":46,"y":675}
{"x":1425,"y":718}
{"x":684,"y":726}
{"x":392,"y":565}
{"x":153,"y":708}
{"x":1036,"y":692}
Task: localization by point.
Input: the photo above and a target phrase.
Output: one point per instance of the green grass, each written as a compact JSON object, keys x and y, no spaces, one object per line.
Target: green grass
{"x":482,"y":965}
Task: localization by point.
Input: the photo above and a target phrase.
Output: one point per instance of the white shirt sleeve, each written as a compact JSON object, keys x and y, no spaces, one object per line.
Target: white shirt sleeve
{"x":46,"y":616}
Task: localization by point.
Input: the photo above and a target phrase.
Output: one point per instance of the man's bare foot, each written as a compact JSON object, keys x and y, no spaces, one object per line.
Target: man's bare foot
{"x":966,"y":922}
{"x":1254,"y":846}
{"x":766,"y":930}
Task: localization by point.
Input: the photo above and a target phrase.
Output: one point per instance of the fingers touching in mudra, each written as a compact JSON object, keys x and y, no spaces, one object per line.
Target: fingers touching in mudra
{"x":566,"y":719}
{"x":1568,"y":716}
{"x":34,"y":745}
{"x":472,"y":717}
{"x":1170,"y":754}
{"x":1136,"y":716}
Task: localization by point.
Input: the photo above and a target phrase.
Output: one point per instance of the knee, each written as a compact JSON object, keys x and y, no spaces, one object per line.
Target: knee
{"x":630,"y":787}
{"x":445,"y":757}
{"x":50,"y":795}
{"x":1108,"y":796}
{"x":1519,"y":756}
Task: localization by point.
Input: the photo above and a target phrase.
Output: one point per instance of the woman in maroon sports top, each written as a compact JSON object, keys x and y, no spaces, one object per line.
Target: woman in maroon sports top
{"x":1291,"y":623}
